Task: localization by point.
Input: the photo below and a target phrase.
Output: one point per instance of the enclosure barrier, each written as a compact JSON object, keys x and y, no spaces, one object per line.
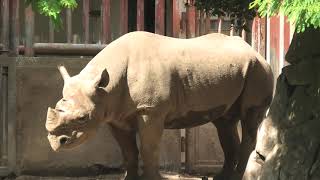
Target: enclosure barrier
{"x":7,"y":116}
{"x":185,"y":24}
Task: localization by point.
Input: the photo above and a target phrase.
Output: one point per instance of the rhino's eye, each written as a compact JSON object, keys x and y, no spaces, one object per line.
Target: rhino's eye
{"x":60,"y":110}
{"x":82,"y":120}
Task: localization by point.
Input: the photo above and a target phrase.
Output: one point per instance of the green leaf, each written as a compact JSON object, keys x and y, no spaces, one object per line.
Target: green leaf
{"x":52,"y":9}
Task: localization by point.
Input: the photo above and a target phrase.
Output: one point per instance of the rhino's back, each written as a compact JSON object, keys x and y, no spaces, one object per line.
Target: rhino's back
{"x":194,"y":74}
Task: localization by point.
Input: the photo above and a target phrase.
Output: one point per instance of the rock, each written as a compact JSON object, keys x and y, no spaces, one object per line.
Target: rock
{"x":288,"y":141}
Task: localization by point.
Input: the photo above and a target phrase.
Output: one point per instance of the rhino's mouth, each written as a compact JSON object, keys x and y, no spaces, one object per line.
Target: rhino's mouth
{"x":62,"y":142}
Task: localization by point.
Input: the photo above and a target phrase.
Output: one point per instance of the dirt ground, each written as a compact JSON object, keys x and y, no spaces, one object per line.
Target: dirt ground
{"x":166,"y":175}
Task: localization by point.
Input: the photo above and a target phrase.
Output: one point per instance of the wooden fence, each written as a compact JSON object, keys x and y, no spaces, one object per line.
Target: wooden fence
{"x":184,"y":22}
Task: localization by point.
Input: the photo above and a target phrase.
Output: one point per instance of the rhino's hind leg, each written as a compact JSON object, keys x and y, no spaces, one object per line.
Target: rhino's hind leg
{"x":127,"y":143}
{"x":250,"y":123}
{"x":150,"y":132}
{"x":230,"y":143}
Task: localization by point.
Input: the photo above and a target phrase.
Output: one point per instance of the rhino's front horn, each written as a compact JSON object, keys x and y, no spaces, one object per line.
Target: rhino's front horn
{"x":52,"y":119}
{"x":64,"y":73}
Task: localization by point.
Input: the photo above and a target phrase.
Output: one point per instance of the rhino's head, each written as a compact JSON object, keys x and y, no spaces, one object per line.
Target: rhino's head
{"x":78,"y":114}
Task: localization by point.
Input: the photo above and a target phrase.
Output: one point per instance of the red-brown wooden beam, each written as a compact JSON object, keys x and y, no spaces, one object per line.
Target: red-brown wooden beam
{"x":191,"y":20}
{"x":5,"y":24}
{"x":69,"y":25}
{"x":14,"y":27}
{"x":159,"y":17}
{"x":183,"y":24}
{"x":123,"y":17}
{"x":262,"y":44}
{"x":140,"y":15}
{"x":197,"y":23}
{"x":255,"y":34}
{"x":175,"y":18}
{"x":106,"y":22}
{"x":29,"y":31}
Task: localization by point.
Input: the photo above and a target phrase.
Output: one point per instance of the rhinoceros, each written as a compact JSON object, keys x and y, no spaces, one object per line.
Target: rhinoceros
{"x":143,"y":83}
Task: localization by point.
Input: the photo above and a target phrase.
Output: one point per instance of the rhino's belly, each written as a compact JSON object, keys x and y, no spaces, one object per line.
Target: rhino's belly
{"x":195,"y":118}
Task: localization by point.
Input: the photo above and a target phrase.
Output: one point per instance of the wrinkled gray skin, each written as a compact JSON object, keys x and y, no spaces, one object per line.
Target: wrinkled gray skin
{"x":143,"y":83}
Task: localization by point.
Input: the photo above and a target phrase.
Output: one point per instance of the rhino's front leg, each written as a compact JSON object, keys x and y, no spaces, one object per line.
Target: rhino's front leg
{"x":150,"y":132}
{"x":127,"y":143}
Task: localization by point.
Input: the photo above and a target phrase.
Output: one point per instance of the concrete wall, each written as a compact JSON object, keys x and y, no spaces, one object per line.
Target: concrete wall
{"x":39,"y":85}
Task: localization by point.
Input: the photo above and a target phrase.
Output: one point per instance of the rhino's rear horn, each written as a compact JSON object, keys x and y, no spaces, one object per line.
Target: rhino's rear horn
{"x":64,"y":73}
{"x":52,"y":119}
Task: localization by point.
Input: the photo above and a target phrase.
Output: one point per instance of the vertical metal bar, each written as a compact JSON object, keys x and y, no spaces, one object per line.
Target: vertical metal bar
{"x":123,"y":17}
{"x":183,"y":24}
{"x":85,"y":20}
{"x":208,"y":23}
{"x":5,"y":23}
{"x":4,"y":115}
{"x":106,"y":25}
{"x":2,"y":127}
{"x":140,"y":15}
{"x":202,"y":24}
{"x":69,"y":25}
{"x":231,"y":30}
{"x":51,"y":31}
{"x":243,"y":34}
{"x":11,"y":114}
{"x":29,"y":31}
{"x":219,"y":24}
{"x":159,"y":17}
{"x":175,"y":18}
{"x":14,"y":27}
{"x":191,"y":15}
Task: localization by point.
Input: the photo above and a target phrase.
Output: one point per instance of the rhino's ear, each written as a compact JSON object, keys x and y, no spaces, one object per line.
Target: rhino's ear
{"x":52,"y":119}
{"x":102,"y":80}
{"x":64,"y":73}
